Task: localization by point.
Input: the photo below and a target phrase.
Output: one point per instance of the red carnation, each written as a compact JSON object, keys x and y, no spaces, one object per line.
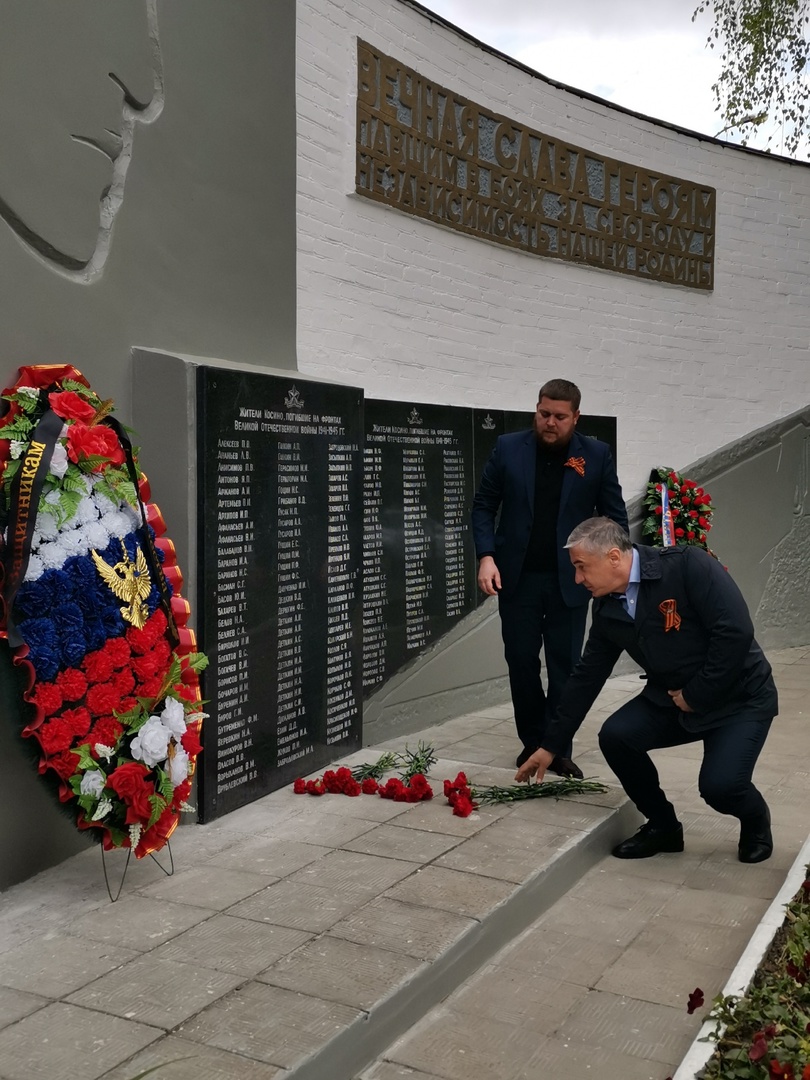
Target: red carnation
{"x":103,"y":698}
{"x":78,"y":720}
{"x":679,"y":532}
{"x":370,"y":786}
{"x":98,"y":666}
{"x":98,"y":441}
{"x":55,"y":735}
{"x":690,"y":535}
{"x":70,"y":406}
{"x":72,"y":683}
{"x":48,"y":697}
{"x":703,"y":522}
{"x":147,"y":666}
{"x":300,"y":786}
{"x":351,"y":787}
{"x":151,"y":688}
{"x":118,"y":650}
{"x":64,"y":764}
{"x":106,"y":731}
{"x":315,"y":787}
{"x":462,"y":806}
{"x":129,"y":783}
{"x":659,"y":510}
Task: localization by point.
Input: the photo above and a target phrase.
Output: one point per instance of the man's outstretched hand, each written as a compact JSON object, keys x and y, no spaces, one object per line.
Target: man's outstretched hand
{"x":535,"y":766}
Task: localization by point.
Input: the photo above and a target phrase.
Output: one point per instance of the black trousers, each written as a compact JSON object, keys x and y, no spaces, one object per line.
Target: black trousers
{"x":730,"y":753}
{"x":533,"y":617}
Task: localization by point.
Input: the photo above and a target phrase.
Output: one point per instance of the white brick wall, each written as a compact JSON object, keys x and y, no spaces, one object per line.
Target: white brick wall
{"x":410,"y":310}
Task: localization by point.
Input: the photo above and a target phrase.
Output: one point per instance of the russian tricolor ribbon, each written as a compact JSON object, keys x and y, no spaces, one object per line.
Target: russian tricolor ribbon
{"x":667,"y":528}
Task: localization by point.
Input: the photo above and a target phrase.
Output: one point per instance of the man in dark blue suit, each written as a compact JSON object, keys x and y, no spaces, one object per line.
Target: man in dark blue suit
{"x":680,"y":616}
{"x":544,"y":482}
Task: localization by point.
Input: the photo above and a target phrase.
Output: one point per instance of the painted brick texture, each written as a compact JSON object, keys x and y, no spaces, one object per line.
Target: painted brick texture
{"x":410,"y":310}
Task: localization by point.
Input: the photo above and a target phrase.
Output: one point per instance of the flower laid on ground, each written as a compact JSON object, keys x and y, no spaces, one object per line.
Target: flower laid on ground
{"x":765,"y":1032}
{"x":410,"y":786}
{"x":92,"y":613}
{"x":459,"y":794}
{"x":690,"y":506}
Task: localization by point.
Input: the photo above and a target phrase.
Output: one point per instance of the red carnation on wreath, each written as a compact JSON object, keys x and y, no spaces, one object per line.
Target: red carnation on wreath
{"x":691,"y":509}
{"x":91,"y":612}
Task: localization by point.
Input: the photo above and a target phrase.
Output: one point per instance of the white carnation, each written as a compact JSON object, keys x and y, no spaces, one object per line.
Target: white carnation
{"x":93,"y":783}
{"x":36,"y":568}
{"x":95,"y":536}
{"x":151,"y":744}
{"x":52,"y":498}
{"x":52,"y":555}
{"x":28,"y":391}
{"x":86,"y":511}
{"x":17,"y":448}
{"x":46,"y":529}
{"x":116,"y":523}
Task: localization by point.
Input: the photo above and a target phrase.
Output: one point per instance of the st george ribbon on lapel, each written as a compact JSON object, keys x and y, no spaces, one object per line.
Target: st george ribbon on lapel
{"x":577,"y":464}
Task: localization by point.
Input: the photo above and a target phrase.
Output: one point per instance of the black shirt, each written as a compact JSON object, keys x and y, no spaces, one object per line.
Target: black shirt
{"x":541,"y":554}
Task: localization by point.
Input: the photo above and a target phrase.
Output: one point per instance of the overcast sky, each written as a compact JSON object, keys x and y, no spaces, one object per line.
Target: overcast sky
{"x":647,"y":55}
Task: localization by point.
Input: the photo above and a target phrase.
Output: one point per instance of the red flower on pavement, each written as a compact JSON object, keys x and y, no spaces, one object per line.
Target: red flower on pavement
{"x":696,"y":1000}
{"x":370,"y":786}
{"x":300,"y":786}
{"x":315,"y":787}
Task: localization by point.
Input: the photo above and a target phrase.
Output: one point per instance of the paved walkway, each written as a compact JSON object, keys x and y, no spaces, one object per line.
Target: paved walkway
{"x":359,"y":938}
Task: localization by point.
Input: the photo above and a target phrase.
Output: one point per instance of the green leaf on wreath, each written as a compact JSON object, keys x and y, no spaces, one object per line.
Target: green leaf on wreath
{"x":164,"y":785}
{"x":80,"y":389}
{"x":158,"y":806}
{"x":20,"y":429}
{"x":91,"y":462}
{"x":197,"y":661}
{"x":74,"y":480}
{"x":67,"y":506}
{"x":86,"y":759}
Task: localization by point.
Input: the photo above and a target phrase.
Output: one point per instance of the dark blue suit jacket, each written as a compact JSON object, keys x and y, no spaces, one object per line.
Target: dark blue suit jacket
{"x":711,"y":654}
{"x":507,"y":484}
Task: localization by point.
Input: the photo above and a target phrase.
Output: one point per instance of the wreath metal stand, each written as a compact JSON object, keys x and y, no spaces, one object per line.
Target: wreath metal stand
{"x":152,"y":856}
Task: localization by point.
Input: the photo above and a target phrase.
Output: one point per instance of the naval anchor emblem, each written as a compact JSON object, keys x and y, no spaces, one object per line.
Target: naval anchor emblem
{"x":130,"y":582}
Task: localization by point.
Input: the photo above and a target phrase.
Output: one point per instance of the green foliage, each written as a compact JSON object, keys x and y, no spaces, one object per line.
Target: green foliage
{"x":375,"y":769}
{"x":418,"y":761}
{"x":549,"y":789}
{"x":764,"y":56}
{"x":770,"y":1024}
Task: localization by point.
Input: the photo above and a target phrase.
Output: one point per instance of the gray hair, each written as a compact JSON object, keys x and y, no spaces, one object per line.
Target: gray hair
{"x":599,"y":535}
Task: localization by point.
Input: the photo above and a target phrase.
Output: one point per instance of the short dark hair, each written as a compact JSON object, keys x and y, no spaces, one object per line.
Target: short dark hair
{"x":599,"y":535}
{"x":561,"y":390}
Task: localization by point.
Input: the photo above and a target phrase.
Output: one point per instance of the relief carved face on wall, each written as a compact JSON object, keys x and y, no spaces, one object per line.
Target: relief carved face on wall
{"x":76,"y":80}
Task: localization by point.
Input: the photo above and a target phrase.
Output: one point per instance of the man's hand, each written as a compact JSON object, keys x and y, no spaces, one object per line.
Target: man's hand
{"x":535,"y":766}
{"x":489,"y":576}
{"x":679,"y":700}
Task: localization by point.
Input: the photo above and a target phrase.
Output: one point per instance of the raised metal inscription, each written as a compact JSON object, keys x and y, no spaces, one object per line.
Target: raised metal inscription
{"x":427,"y":151}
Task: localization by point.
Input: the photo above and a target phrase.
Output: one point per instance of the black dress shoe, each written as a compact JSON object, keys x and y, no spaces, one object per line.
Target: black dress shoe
{"x":756,"y":840}
{"x":650,"y":840}
{"x":564,"y":766}
{"x":524,"y":755}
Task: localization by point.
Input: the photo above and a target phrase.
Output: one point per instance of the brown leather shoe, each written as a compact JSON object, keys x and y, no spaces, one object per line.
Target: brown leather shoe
{"x":564,"y":766}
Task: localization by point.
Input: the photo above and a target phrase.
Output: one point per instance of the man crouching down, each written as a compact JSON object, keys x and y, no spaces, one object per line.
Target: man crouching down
{"x":681,"y":617}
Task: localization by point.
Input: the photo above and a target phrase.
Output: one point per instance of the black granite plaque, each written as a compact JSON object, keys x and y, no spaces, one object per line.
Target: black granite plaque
{"x":418,"y":557}
{"x":280,"y":548}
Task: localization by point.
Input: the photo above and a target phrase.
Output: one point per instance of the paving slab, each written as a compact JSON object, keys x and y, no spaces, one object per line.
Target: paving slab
{"x":335,"y":938}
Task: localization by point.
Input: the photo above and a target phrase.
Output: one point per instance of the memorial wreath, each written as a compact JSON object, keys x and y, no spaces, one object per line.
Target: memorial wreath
{"x":678,"y":511}
{"x":93,"y":616}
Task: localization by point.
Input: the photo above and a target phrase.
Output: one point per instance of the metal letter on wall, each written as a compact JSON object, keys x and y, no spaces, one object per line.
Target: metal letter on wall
{"x":429,"y":152}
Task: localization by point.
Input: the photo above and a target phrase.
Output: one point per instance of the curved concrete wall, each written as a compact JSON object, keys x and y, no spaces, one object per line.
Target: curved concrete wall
{"x":409,"y":309}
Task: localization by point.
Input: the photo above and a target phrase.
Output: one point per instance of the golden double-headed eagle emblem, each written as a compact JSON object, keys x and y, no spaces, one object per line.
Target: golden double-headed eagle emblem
{"x":130,"y":582}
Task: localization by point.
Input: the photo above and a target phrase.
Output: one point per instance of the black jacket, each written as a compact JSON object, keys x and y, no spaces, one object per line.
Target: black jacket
{"x":692,"y":632}
{"x":507,"y":484}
